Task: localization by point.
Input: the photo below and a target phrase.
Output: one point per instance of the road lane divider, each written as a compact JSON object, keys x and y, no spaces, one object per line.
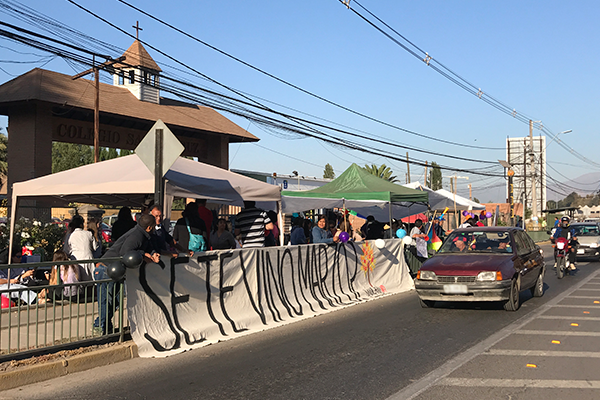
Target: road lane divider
{"x":518,"y":383}
{"x":542,"y":353}
{"x":556,"y":333}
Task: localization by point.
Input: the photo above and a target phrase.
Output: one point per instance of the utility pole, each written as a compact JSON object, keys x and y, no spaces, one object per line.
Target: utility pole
{"x":407,"y":169}
{"x":96,"y":71}
{"x":534,"y":206}
{"x":470,"y":193}
{"x":524,"y":177}
{"x":425,"y":173}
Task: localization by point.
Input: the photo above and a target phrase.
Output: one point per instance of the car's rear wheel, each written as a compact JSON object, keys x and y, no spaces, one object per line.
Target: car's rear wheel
{"x":560,"y":267}
{"x":426,"y":303}
{"x":538,"y":289}
{"x":513,"y":303}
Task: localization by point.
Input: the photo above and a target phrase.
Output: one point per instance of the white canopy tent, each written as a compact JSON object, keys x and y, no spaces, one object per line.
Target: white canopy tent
{"x":127,"y":181}
{"x":440,"y":199}
{"x":462,"y":203}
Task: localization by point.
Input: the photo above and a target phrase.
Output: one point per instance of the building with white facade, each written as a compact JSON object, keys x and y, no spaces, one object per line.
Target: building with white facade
{"x":520,"y":154}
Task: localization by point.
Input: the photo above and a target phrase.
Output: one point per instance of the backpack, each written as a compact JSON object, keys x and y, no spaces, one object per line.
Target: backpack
{"x":196,"y":242}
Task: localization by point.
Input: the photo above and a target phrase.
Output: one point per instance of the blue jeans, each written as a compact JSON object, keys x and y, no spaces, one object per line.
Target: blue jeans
{"x":108,"y":299}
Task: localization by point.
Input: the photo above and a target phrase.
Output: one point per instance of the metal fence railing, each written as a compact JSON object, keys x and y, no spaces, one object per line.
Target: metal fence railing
{"x":47,"y":317}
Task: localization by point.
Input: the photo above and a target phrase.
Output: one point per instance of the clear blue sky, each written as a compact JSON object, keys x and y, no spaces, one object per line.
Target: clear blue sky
{"x":538,"y":57}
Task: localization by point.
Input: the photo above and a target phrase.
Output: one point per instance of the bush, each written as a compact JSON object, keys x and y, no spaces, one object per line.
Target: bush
{"x":46,"y":238}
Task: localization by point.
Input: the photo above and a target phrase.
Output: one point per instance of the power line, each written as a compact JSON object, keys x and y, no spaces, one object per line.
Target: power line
{"x":261,"y":119}
{"x":437,"y":66}
{"x":161,"y":21}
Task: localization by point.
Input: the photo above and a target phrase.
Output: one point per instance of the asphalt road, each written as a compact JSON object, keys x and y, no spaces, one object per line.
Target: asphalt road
{"x":369,"y":351}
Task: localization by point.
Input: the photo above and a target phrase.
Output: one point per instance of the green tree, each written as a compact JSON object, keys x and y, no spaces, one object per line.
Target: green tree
{"x":383,"y":172}
{"x":328,"y":173}
{"x":3,"y":153}
{"x":435,"y":177}
{"x":124,"y":152}
{"x":69,"y":155}
{"x":107,"y":153}
{"x":476,"y":200}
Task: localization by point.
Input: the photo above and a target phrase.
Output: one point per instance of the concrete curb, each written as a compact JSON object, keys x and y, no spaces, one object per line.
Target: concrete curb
{"x":54,"y":369}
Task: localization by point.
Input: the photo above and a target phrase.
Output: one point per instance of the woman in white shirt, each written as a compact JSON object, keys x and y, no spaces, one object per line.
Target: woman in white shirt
{"x":81,"y":245}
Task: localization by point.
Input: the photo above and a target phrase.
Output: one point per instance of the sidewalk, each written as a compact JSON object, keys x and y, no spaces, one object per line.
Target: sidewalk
{"x":37,"y":369}
{"x":553,"y":354}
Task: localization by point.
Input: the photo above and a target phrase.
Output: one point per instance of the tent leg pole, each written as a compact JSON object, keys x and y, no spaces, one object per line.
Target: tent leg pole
{"x":280,"y":223}
{"x":390,"y":209}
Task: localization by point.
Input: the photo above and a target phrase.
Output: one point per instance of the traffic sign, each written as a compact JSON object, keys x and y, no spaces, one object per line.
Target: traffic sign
{"x":171,"y":148}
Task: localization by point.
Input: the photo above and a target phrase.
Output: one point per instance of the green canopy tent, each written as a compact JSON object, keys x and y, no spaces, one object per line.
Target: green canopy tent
{"x":359,"y":190}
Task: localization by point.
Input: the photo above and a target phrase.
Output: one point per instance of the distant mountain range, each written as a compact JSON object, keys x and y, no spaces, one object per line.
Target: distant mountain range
{"x":583,"y":185}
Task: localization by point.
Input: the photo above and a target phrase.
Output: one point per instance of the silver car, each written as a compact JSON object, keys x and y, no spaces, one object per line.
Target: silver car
{"x":588,"y":236}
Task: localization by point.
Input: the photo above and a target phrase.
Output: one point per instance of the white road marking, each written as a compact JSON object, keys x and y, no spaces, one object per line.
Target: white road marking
{"x":590,"y":306}
{"x":543,"y":353}
{"x":432,"y":378}
{"x":583,"y":297}
{"x":556,"y":333}
{"x":534,"y":383}
{"x":574,"y":317}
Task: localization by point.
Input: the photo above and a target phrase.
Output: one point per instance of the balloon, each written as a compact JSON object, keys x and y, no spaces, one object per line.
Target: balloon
{"x":132,"y":259}
{"x":380,"y":243}
{"x":406,"y":240}
{"x":116,"y":270}
{"x":400,"y":233}
{"x":488,"y":214}
{"x":465,"y":213}
{"x":344,"y":237}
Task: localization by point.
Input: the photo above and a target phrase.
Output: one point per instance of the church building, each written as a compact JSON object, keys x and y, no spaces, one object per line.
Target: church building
{"x":45,"y":106}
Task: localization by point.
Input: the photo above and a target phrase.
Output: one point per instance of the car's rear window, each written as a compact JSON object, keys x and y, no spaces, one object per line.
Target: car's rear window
{"x":477,"y":242}
{"x":586,"y":230}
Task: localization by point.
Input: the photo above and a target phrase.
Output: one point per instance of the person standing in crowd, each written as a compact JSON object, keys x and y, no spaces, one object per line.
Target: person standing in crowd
{"x":93,"y":226}
{"x":438,"y":229}
{"x":160,"y":239}
{"x":123,"y":223}
{"x":297,"y":235}
{"x":81,"y":246}
{"x":222,"y":239}
{"x":419,"y":241}
{"x":477,"y":221}
{"x":319,"y":232}
{"x":206,"y":216}
{"x":272,"y":236}
{"x":332,"y":228}
{"x":251,"y":223}
{"x":190,"y":223}
{"x":136,"y":239}
{"x":345,"y":226}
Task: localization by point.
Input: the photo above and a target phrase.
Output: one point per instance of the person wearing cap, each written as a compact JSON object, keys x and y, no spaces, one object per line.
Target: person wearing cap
{"x":460,"y":242}
{"x":565,"y":230}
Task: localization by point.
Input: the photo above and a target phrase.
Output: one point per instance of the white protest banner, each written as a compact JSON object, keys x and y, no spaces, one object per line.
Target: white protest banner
{"x":185,"y":303}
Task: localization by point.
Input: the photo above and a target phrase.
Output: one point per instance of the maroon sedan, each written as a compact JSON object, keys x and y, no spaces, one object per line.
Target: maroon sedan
{"x":483,"y":264}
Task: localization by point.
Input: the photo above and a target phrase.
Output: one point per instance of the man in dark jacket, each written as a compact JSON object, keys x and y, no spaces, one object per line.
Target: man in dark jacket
{"x":136,"y":239}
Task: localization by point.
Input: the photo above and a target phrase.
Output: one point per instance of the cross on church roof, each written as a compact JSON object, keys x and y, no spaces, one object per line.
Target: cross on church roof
{"x":137,"y":29}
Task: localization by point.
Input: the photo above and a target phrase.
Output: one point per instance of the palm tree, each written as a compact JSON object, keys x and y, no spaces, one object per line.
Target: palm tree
{"x":383,"y":172}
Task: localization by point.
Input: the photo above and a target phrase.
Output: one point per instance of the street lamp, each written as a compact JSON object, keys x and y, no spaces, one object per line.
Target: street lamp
{"x":556,"y":137}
